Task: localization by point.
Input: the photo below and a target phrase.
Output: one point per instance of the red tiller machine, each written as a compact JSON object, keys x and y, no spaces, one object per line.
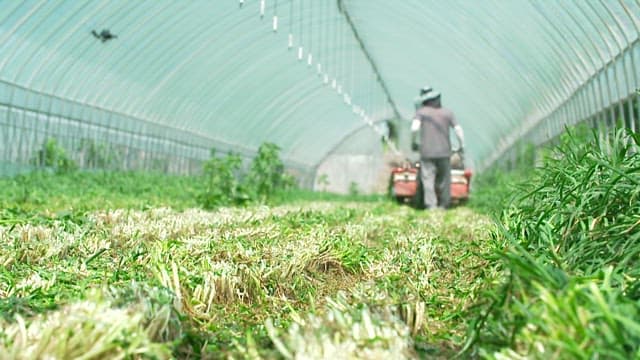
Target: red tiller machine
{"x":406,"y":188}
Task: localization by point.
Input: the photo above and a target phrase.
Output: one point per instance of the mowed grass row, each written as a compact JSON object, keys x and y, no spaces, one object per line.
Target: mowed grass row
{"x":365,"y":280}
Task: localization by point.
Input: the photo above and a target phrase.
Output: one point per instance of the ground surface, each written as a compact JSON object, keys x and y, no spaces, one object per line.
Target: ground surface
{"x":333,"y":279}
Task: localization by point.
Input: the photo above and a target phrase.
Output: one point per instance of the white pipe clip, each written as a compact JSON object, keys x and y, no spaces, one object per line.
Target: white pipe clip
{"x":326,"y":79}
{"x":290,"y":43}
{"x":333,"y":83}
{"x":275,"y":23}
{"x":262,"y":8}
{"x":319,"y":68}
{"x":241,"y":3}
{"x":309,"y":59}
{"x":300,"y":52}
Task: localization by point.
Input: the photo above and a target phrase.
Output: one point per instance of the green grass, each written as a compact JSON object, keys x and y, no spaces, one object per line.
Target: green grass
{"x":89,"y":253}
{"x":39,"y":192}
{"x":126,"y":265}
{"x":569,"y":248}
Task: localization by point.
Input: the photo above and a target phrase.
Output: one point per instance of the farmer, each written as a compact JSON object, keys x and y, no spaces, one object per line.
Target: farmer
{"x":432,"y":123}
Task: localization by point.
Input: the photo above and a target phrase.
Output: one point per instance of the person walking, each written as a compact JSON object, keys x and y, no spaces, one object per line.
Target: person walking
{"x":431,"y":125}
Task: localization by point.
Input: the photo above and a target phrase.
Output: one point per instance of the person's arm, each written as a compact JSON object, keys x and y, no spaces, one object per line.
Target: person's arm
{"x":458,"y":130}
{"x":415,"y":127}
{"x":459,"y":135}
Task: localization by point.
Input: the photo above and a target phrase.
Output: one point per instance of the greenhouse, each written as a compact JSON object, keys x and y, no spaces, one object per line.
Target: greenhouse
{"x":255,"y":179}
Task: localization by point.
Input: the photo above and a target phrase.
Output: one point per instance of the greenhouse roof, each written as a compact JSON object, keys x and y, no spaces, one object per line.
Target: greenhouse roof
{"x":305,"y":74}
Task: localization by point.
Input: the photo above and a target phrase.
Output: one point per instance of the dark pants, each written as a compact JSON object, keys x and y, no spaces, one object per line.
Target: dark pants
{"x":435,"y":174}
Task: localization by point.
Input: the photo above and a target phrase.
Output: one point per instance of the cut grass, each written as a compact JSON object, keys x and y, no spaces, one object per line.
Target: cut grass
{"x":231,"y":272}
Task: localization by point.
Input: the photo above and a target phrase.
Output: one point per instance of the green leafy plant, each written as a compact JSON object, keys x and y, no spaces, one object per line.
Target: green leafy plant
{"x":354,"y":190}
{"x":54,"y":156}
{"x":220,"y":181}
{"x":266,"y":175}
{"x":323,"y":181}
{"x":99,"y":155}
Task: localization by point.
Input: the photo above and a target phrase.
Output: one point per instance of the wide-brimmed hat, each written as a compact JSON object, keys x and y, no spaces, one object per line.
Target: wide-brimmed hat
{"x":431,"y":95}
{"x":425,"y":89}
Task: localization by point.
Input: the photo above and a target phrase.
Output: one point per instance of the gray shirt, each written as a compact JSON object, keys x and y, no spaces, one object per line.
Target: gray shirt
{"x":434,"y":131}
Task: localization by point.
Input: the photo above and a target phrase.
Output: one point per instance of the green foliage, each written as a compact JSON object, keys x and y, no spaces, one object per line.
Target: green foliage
{"x":570,"y":250}
{"x":220,"y":179}
{"x":225,"y":184}
{"x":33,"y":194}
{"x":323,"y":181}
{"x":55,"y":157}
{"x":99,"y":155}
{"x":353,"y":189}
{"x":266,"y":175}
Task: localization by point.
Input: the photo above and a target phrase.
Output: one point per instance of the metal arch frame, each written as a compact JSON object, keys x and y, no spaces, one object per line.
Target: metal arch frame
{"x":579,"y":93}
{"x":604,"y":61}
{"x":59,"y":43}
{"x":628,"y":47}
{"x":160,"y":78}
{"x":542,"y":74}
{"x":199,"y":92}
{"x":194,"y":91}
{"x":62,"y":100}
{"x":602,"y":69}
{"x":86,"y":78}
{"x":64,"y":96}
{"x":534,"y":123}
{"x":567,"y":43}
{"x":154,"y":66}
{"x":205,"y":86}
{"x":547,"y":99}
{"x":15,"y":50}
{"x":19,"y":24}
{"x":596,"y":69}
{"x":256,"y":65}
{"x":577,"y":72}
{"x":343,"y":9}
{"x":65,"y":100}
{"x":9,"y":15}
{"x":295,"y":105}
{"x":507,"y":116}
{"x":259,"y":65}
{"x":45,"y":60}
{"x":636,"y":25}
{"x":613,"y":56}
{"x":568,"y":103}
{"x":124,"y":64}
{"x":346,"y":136}
{"x":465,"y":54}
{"x":172,"y":103}
{"x":300,"y":102}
